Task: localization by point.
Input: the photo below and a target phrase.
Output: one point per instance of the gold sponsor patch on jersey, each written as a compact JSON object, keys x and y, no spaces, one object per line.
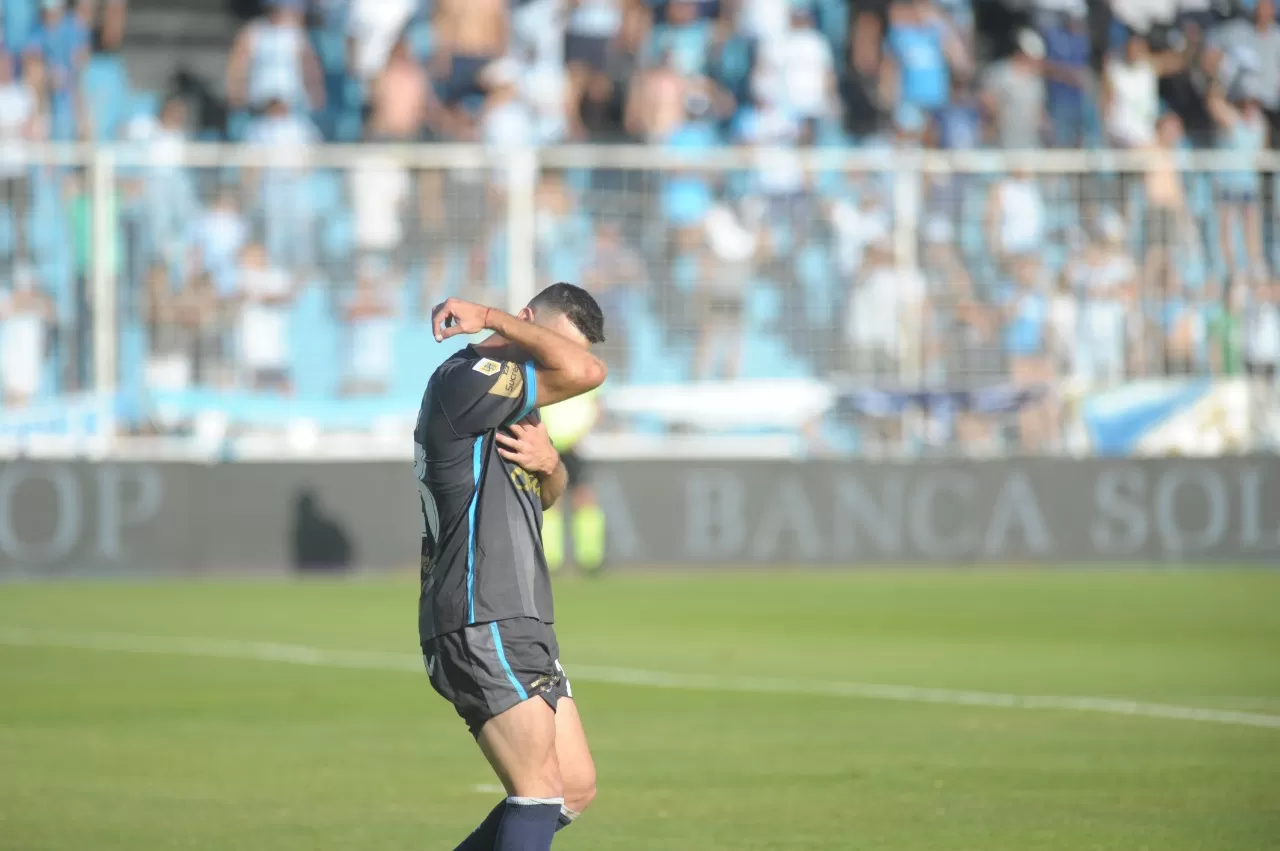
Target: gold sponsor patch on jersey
{"x":510,"y":383}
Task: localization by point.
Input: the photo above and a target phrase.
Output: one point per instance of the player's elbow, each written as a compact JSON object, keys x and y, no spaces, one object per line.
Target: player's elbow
{"x":590,"y":374}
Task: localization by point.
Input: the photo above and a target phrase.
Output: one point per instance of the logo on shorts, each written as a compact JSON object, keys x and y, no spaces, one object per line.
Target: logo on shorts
{"x":484,"y":366}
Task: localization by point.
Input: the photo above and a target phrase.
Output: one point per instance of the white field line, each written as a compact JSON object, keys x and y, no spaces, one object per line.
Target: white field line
{"x":297,"y":654}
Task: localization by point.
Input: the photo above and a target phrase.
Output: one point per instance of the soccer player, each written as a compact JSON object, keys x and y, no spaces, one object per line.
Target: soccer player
{"x":486,"y":470}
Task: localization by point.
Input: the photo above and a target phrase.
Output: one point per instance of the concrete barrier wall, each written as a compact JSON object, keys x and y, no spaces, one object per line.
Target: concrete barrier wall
{"x":77,"y":518}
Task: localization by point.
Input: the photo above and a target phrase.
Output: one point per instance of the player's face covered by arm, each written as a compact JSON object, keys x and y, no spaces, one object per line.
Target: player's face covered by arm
{"x":486,"y":394}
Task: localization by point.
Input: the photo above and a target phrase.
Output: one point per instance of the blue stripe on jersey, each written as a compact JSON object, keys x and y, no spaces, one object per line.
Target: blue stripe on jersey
{"x":530,"y":391}
{"x":502,"y":657}
{"x":477,"y":457}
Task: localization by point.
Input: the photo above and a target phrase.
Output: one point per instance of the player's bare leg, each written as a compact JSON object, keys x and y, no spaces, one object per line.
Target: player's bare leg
{"x":520,"y":744}
{"x":577,"y":768}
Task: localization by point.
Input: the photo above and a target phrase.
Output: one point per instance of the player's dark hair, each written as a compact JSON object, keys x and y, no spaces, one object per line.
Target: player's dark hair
{"x":576,"y":305}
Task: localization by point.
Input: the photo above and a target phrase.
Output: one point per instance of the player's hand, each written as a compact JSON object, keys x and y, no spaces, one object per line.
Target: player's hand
{"x":456,"y":316}
{"x":530,"y":447}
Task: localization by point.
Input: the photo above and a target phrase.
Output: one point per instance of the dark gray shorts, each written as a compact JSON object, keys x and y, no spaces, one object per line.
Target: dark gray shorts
{"x":485,"y":669}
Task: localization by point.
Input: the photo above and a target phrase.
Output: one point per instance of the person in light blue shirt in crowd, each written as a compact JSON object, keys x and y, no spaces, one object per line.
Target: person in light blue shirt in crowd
{"x":1066,"y":71}
{"x":61,"y":42}
{"x":1242,"y":130}
{"x":921,"y":53}
{"x":1024,"y":309}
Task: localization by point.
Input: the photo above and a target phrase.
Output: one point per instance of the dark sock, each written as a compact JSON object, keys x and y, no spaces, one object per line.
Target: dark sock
{"x":483,"y":837}
{"x":566,"y":818}
{"x":528,"y":824}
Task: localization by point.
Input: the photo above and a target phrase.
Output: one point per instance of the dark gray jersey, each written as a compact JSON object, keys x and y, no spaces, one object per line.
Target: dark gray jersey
{"x":482,"y":516}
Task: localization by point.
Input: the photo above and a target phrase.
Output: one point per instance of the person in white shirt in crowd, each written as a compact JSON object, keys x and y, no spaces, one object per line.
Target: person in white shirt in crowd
{"x":734,"y":246}
{"x":379,"y":188}
{"x":26,"y":316}
{"x":591,"y":37}
{"x":218,"y":235}
{"x":1260,"y":327}
{"x":370,"y":324}
{"x":553,"y":100}
{"x":1015,"y":216}
{"x":272,"y":59}
{"x":884,"y":313}
{"x":857,"y":226}
{"x":288,"y":222}
{"x":774,"y":132}
{"x":1243,"y":131}
{"x":1064,"y":326}
{"x":761,"y":20}
{"x":373,"y":29}
{"x":1130,"y":95}
{"x":1106,"y":278}
{"x":799,"y":63}
{"x":19,"y":125}
{"x":265,"y":293}
{"x":1013,"y":95}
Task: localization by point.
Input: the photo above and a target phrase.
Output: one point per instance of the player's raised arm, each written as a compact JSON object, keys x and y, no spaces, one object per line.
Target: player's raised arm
{"x":549,"y":332}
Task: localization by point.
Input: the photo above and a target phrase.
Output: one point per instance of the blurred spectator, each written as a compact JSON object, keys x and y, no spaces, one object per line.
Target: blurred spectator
{"x":957,"y":125}
{"x":1015,"y":216}
{"x":774,"y":132}
{"x":272,"y":59}
{"x":551,"y":98}
{"x":882,"y":314}
{"x":283,"y":189}
{"x":1130,"y":96}
{"x":402,"y":100}
{"x":685,"y":35}
{"x":469,"y":35}
{"x":1024,"y":315}
{"x":798,"y":66}
{"x":61,"y":43}
{"x":380,"y":193}
{"x":921,"y":54}
{"x":858,"y":226}
{"x":1261,"y":330}
{"x":1064,"y":327}
{"x":1170,"y":325}
{"x":1242,"y":130}
{"x":618,"y":277}
{"x":374,"y":28}
{"x":26,"y":318}
{"x":733,"y":248}
{"x":590,"y":39}
{"x":370,"y":322}
{"x":110,"y":21}
{"x":1166,"y":210}
{"x":1106,"y":278}
{"x":1225,"y":332}
{"x":218,"y":236}
{"x":505,"y":120}
{"x":1014,"y":95}
{"x":18,"y":125}
{"x":1246,"y":53}
{"x":1067,"y":75}
{"x":169,"y":202}
{"x":760,"y":20}
{"x":659,"y":99}
{"x":264,"y":294}
{"x":186,"y":332}
{"x":686,"y":194}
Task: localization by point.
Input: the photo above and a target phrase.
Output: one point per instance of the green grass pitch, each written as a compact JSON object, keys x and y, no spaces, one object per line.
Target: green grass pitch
{"x":104,"y":747}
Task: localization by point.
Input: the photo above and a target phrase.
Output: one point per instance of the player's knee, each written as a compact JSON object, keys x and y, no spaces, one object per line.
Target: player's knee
{"x":579,"y":794}
{"x":541,"y":782}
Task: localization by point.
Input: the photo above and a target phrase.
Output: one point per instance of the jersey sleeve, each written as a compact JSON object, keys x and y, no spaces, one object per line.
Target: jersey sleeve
{"x":479,"y":395}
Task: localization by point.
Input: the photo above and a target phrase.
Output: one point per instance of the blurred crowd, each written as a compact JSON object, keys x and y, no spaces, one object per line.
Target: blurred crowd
{"x":1025,"y":277}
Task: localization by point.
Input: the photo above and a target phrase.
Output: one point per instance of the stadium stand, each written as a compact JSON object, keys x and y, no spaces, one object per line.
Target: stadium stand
{"x":283,"y":283}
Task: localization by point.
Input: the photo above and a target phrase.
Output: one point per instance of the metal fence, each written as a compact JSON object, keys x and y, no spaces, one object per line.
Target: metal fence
{"x":260,"y":286}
